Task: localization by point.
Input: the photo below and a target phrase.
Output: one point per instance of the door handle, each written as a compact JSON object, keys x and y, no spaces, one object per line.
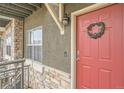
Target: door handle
{"x":77,"y":59}
{"x":77,"y":55}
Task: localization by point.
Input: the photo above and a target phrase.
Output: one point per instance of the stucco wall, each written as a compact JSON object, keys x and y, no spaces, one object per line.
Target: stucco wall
{"x":54,"y":44}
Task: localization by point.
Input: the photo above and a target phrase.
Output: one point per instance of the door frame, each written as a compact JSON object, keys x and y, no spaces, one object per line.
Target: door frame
{"x":73,"y":36}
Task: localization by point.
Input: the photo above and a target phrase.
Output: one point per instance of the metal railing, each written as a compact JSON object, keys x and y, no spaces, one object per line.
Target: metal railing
{"x":14,"y":75}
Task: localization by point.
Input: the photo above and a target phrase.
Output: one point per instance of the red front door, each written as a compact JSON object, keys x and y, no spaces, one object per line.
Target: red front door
{"x":100,"y":61}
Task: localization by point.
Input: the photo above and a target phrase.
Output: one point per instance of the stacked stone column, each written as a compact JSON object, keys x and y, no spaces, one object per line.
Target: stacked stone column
{"x":18,"y":39}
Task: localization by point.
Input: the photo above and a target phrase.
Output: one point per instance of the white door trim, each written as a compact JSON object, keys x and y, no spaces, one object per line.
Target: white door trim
{"x":73,"y":36}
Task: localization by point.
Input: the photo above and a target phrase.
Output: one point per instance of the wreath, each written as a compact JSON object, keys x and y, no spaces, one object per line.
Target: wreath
{"x":98,"y":33}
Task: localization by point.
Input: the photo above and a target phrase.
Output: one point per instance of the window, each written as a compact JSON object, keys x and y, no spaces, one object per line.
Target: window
{"x":34,"y":44}
{"x":8,"y":44}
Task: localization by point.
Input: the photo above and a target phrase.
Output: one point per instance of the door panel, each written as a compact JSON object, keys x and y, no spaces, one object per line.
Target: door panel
{"x":100,"y":61}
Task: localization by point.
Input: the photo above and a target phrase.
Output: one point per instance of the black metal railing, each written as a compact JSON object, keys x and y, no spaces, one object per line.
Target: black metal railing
{"x":14,"y":75}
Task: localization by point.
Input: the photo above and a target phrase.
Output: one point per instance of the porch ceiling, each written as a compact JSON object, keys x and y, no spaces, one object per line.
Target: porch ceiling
{"x":16,"y":10}
{"x":3,"y":22}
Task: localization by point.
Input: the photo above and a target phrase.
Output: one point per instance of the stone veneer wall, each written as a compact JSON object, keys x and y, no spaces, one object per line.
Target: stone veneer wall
{"x":49,"y":78}
{"x":1,"y":34}
{"x":18,"y":39}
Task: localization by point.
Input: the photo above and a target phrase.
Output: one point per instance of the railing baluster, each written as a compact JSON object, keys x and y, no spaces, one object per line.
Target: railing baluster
{"x":28,"y":76}
{"x":1,"y":83}
{"x":22,"y":76}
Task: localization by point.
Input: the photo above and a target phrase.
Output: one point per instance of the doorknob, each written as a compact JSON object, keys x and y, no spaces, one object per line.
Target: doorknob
{"x":77,"y":55}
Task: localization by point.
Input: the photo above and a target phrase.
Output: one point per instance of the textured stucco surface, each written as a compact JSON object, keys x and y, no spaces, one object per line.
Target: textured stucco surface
{"x":54,"y":44}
